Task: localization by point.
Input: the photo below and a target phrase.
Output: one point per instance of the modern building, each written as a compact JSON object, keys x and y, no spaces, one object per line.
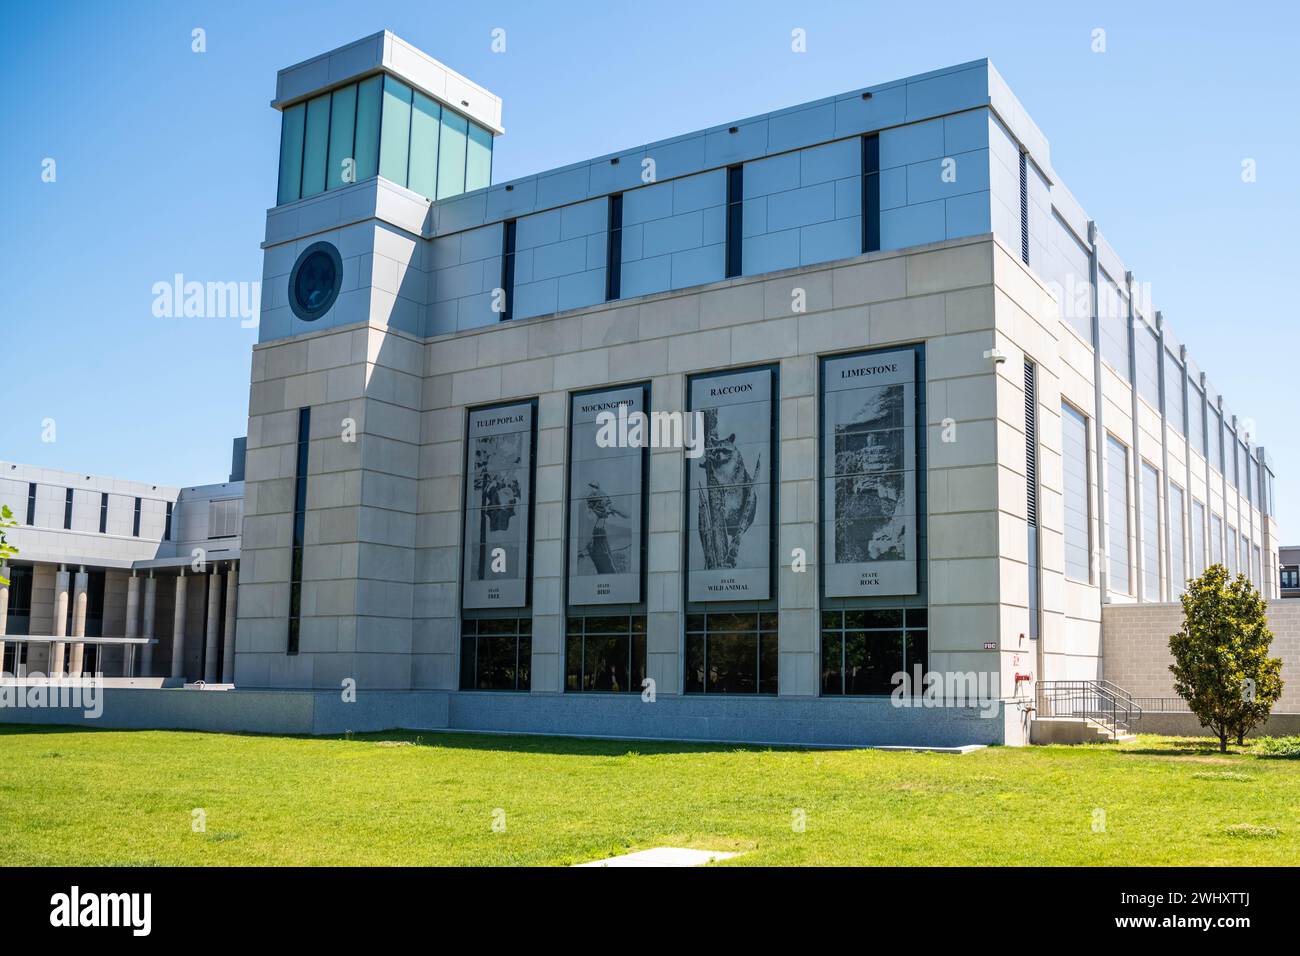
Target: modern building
{"x":942,"y":423}
{"x":1289,"y":563}
{"x":120,"y":577}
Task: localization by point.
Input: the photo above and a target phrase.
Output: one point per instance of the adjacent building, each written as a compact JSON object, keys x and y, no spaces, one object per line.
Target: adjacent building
{"x":932,"y":421}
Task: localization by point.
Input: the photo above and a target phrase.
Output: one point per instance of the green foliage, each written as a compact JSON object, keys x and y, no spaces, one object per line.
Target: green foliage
{"x":1277,"y":747}
{"x":7,"y":550}
{"x":1221,"y":664}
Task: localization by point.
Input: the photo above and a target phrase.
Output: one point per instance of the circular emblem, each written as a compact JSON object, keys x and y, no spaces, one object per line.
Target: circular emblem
{"x":315,"y":281}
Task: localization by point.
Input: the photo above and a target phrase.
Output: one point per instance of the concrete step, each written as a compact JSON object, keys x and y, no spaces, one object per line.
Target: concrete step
{"x":1071,"y":730}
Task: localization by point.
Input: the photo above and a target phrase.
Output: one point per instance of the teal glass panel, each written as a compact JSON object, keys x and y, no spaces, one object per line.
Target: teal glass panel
{"x":426,"y":116}
{"x":451,"y":154}
{"x":343,"y":117}
{"x":291,"y":129}
{"x":316,"y":143}
{"x":367,"y":140}
{"x":478,"y":158}
{"x":395,"y":138}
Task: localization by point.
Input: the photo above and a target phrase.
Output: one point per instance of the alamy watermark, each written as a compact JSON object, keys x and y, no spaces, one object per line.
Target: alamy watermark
{"x":624,"y":429}
{"x":922,"y":688}
{"x":36,"y":692}
{"x":180,"y":299}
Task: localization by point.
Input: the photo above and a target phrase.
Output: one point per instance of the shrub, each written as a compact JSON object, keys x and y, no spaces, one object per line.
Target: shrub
{"x":1221,"y":664}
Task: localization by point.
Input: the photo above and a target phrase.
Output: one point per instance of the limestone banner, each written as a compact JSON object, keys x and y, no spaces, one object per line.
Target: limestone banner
{"x":869,"y":474}
{"x":605,"y":500}
{"x":498,"y":506}
{"x":729,"y":489}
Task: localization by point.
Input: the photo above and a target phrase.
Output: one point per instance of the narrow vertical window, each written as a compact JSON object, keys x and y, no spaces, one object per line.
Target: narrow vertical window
{"x":614,"y":250}
{"x":339,"y":167}
{"x":1150,"y":533}
{"x":395,"y":132}
{"x":508,"y":271}
{"x":1175,"y":394}
{"x":103,"y":512}
{"x":426,"y":122}
{"x":1074,"y":459}
{"x":1198,"y":538}
{"x":366,"y":128}
{"x":735,"y":218}
{"x":292,"y":123}
{"x":1177,"y":542}
{"x":67,"y":511}
{"x":1024,"y":207}
{"x":453,"y":142}
{"x":167,"y":523}
{"x":870,"y":193}
{"x":315,"y":145}
{"x":31,"y":502}
{"x":299,"y":528}
{"x":1117,"y":515}
{"x":135,"y":520}
{"x":478,"y":159}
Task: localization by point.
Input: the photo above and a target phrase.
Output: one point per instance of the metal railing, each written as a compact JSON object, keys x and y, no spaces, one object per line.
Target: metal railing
{"x":1107,"y":704}
{"x":1163,"y":705}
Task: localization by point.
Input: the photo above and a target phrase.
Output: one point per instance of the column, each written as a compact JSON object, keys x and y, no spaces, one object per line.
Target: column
{"x":132,"y":624}
{"x":79,"y":598}
{"x":228,"y":662}
{"x":210,"y":634}
{"x":147,"y":632}
{"x":178,"y":628}
{"x":4,"y":617}
{"x":60,"y":620}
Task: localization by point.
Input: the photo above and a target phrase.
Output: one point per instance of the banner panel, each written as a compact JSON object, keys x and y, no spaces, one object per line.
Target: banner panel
{"x":498,"y":506}
{"x":869,"y":474}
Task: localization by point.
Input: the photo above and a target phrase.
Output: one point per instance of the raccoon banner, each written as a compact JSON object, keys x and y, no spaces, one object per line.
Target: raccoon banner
{"x":498,"y":499}
{"x":729,"y":489}
{"x":869,"y":474}
{"x":605,"y":501}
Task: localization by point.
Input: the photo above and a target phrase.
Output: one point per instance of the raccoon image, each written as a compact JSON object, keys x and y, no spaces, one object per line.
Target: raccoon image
{"x":728,"y":501}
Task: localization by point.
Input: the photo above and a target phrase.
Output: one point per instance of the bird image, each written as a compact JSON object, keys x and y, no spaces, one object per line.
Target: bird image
{"x":601,"y":507}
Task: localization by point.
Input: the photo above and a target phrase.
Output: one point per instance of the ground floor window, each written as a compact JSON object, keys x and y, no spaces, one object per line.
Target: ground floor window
{"x":731,"y":653}
{"x":605,"y":653}
{"x":496,"y":653}
{"x":862,"y":649}
{"x":15,"y":657}
{"x":20,"y":600}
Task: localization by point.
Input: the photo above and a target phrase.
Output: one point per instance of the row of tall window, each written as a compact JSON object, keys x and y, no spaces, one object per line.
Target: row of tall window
{"x":726,"y":652}
{"x":1186,"y":408}
{"x":735,"y":228}
{"x":1233,"y":548}
{"x":380,"y":126}
{"x":1131,"y":347}
{"x":69,"y":497}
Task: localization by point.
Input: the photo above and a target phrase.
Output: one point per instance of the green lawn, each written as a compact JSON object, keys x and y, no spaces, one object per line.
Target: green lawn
{"x":69,"y":796}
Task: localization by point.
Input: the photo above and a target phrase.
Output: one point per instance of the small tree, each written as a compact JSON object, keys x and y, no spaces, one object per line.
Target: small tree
{"x":7,"y":550}
{"x":1221,"y":664}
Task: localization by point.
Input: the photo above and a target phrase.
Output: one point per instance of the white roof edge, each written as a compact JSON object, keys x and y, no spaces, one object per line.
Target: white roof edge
{"x":385,"y":52}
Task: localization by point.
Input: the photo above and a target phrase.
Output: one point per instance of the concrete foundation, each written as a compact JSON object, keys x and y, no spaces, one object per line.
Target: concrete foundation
{"x":758,"y":720}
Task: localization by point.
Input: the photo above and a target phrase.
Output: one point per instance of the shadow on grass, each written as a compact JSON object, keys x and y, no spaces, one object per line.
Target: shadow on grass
{"x":507,"y":742}
{"x":503,"y":741}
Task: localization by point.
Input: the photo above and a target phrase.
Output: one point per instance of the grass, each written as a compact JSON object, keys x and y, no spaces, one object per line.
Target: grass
{"x":70,"y":796}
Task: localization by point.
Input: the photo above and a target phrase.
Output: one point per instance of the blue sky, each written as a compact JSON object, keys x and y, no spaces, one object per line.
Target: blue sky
{"x":166,"y":163}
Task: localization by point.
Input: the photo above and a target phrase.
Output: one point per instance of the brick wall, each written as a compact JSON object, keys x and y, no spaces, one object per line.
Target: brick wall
{"x":1135,"y":641}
